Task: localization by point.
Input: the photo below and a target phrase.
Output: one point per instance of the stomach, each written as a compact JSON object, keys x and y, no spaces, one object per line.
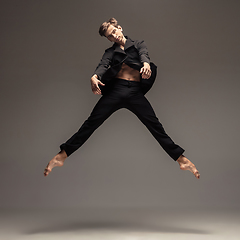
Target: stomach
{"x":128,"y":73}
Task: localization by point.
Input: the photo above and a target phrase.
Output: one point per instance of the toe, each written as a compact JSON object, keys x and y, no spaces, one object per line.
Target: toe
{"x":197,"y":174}
{"x":46,"y":171}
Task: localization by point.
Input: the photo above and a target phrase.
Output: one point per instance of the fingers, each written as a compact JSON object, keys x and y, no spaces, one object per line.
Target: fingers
{"x":146,"y":72}
{"x":96,"y":89}
{"x":99,"y":82}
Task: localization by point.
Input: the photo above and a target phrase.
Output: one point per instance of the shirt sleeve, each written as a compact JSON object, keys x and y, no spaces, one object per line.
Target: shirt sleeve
{"x":104,"y":63}
{"x":143,"y":52}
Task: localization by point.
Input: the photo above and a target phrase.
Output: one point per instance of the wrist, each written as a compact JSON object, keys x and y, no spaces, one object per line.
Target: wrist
{"x":94,"y":76}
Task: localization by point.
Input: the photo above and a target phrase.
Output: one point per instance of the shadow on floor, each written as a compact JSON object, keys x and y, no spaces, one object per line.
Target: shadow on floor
{"x":113,"y":226}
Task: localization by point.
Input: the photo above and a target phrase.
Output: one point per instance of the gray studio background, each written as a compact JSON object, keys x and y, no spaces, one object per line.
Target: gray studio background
{"x":49,"y":50}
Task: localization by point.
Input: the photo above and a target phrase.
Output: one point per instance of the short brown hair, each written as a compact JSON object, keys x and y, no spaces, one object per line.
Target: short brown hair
{"x":103,"y":28}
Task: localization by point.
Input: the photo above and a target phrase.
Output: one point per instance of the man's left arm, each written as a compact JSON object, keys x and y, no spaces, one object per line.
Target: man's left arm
{"x":145,"y":60}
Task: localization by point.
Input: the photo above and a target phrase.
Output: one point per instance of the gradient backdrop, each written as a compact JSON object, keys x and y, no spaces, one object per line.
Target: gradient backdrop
{"x":49,"y":50}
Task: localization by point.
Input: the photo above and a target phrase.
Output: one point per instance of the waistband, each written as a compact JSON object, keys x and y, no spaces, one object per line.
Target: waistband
{"x":126,"y":82}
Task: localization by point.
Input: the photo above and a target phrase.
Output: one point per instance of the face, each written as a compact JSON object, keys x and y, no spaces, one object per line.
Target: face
{"x":114,"y":34}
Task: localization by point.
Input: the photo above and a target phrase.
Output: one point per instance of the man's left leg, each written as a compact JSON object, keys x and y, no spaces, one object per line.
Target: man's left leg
{"x":141,"y":107}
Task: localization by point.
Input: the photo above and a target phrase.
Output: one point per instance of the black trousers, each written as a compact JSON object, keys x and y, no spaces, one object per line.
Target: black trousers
{"x":123,"y":94}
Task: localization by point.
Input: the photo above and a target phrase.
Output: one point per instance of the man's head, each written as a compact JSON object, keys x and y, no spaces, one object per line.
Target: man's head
{"x":111,"y":30}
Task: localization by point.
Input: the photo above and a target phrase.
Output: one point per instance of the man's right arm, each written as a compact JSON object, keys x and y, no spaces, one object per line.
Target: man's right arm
{"x":100,"y":70}
{"x":104,"y":63}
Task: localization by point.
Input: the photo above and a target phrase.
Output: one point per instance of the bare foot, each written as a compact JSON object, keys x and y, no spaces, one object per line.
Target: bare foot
{"x":57,"y":161}
{"x":186,"y":164}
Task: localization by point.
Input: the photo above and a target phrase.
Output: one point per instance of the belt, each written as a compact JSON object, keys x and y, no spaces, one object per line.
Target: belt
{"x":127,"y":82}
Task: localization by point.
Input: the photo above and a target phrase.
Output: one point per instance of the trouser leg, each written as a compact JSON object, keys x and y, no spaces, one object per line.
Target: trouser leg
{"x":103,"y":109}
{"x":140,"y":106}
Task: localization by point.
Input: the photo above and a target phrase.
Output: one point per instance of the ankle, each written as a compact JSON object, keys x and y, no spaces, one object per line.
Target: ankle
{"x":181,"y":159}
{"x":61,"y":156}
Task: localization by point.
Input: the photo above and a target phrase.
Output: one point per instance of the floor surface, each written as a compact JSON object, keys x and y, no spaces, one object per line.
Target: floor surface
{"x":120,"y":224}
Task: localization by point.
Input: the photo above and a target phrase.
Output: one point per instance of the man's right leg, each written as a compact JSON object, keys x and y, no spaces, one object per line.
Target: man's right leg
{"x":104,"y":108}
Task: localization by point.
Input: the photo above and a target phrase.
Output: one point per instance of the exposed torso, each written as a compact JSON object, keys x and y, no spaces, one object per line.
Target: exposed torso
{"x":128,"y":73}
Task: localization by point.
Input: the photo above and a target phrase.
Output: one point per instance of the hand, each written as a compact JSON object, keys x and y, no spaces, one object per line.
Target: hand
{"x":146,"y":71}
{"x":94,"y":85}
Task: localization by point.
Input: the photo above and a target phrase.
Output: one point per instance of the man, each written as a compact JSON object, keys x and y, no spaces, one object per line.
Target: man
{"x":119,"y":77}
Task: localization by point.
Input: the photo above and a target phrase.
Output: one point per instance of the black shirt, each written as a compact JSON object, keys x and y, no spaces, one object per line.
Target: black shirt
{"x":135,"y":53}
